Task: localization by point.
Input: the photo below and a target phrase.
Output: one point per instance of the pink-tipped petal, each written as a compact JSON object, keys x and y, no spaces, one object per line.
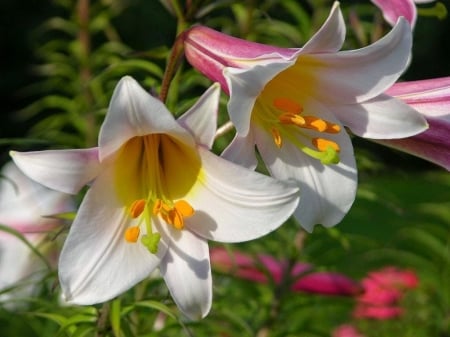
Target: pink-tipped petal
{"x":432,"y":145}
{"x":394,"y":9}
{"x":431,"y":97}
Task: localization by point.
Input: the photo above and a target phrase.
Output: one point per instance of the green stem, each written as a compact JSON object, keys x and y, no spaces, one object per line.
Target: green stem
{"x":84,"y":38}
{"x":172,"y":66}
{"x":438,"y":10}
{"x":176,"y":53}
{"x":283,"y":288}
{"x":102,"y":322}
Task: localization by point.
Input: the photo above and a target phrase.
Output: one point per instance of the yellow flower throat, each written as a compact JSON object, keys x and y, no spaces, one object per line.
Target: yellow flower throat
{"x":279,"y":111}
{"x":152,"y":175}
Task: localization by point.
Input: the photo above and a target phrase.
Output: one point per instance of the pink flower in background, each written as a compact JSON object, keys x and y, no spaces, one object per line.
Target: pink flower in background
{"x":383,"y":291}
{"x":393,"y":9}
{"x":265,"y":268}
{"x":346,"y":330}
{"x":431,"y":98}
{"x":23,"y":205}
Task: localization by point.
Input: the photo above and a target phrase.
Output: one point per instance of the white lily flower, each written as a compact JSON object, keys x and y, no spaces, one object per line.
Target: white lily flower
{"x":293,"y":104}
{"x":24,"y":205}
{"x":156,"y":196}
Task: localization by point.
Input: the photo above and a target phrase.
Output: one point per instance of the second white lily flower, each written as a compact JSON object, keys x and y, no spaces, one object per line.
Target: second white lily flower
{"x":293,"y":104}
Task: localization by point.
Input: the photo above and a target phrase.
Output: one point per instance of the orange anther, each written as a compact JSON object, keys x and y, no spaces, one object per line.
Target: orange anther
{"x":160,"y":207}
{"x":287,"y":105}
{"x":315,"y":123}
{"x":332,"y":128}
{"x":137,"y":207}
{"x":157,"y":206}
{"x":132,"y":234}
{"x":276,"y":137}
{"x":290,"y":118}
{"x":184,"y":208}
{"x":322,"y":144}
{"x":175,"y":218}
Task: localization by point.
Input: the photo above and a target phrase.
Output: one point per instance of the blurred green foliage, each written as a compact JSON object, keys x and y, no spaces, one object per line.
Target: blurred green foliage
{"x":61,"y":61}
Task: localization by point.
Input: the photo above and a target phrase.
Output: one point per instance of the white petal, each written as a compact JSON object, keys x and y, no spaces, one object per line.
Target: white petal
{"x":201,"y":118}
{"x":241,"y":151}
{"x":134,"y":112}
{"x":245,"y":86}
{"x":187,"y":272}
{"x":20,"y":270}
{"x":383,"y":117}
{"x":327,"y":191}
{"x":357,"y":75}
{"x":235,"y":204}
{"x":330,"y":37}
{"x":62,"y":170}
{"x":96,"y":262}
{"x":17,"y":261}
{"x":23,"y":202}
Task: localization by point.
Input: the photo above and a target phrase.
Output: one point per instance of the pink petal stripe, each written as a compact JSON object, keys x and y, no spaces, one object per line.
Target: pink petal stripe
{"x":432,"y":144}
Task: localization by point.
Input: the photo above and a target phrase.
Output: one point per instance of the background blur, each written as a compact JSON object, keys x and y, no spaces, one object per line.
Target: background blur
{"x":59,"y":62}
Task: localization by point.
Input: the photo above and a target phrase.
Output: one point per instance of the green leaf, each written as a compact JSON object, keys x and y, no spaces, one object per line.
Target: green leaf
{"x":68,"y":216}
{"x":157,"y":306}
{"x":23,"y":141}
{"x":56,"y":318}
{"x":433,"y":245}
{"x":83,"y":330}
{"x":71,"y":323}
{"x":115,"y":315}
